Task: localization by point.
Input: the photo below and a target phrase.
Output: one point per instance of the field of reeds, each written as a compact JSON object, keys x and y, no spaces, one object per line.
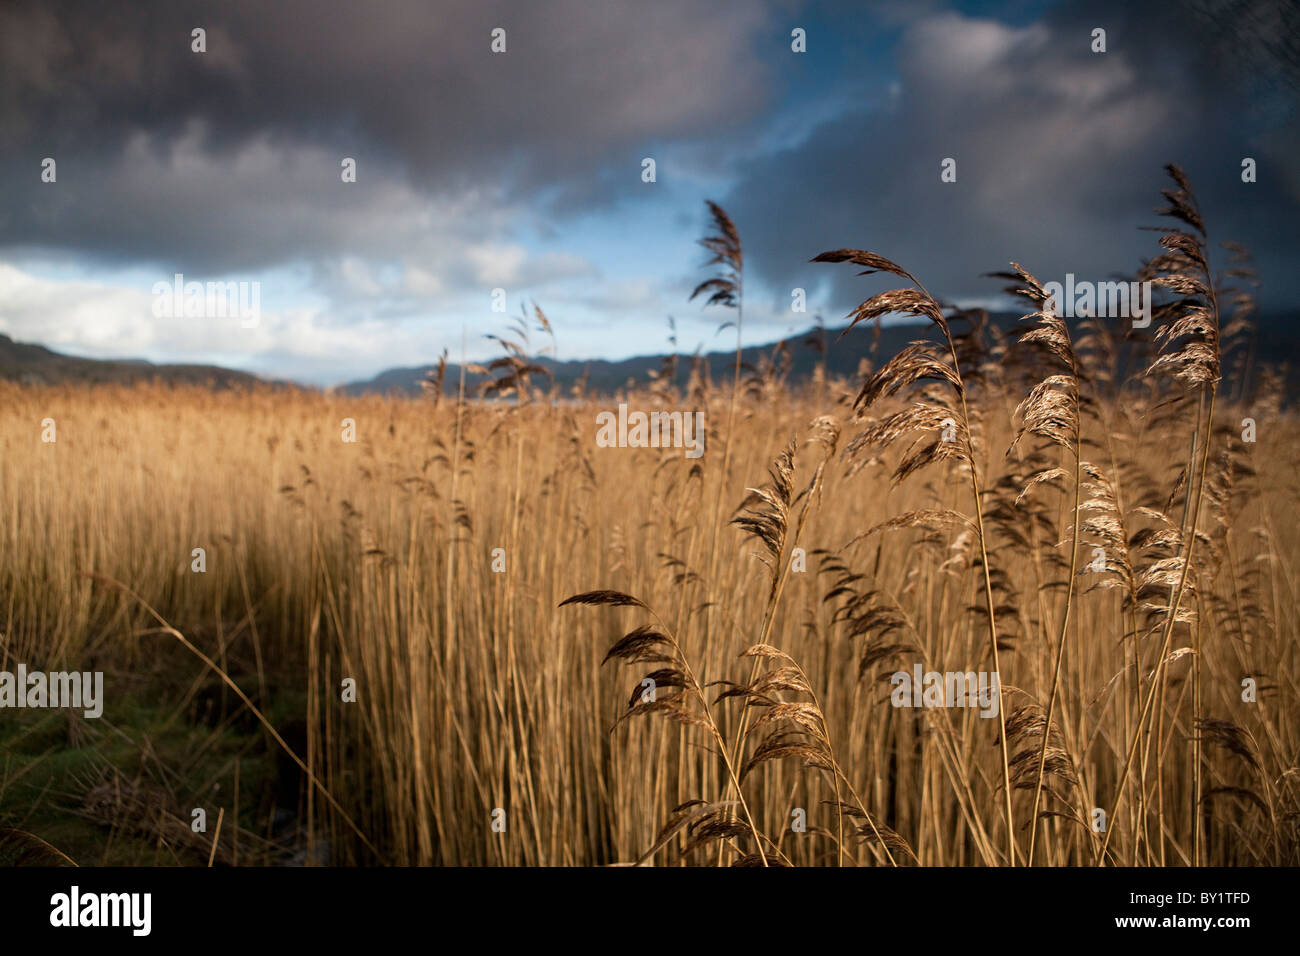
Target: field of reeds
{"x":474,"y":637}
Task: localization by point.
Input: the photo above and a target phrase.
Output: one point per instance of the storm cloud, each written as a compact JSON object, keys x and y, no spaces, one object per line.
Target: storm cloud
{"x":521,"y":169}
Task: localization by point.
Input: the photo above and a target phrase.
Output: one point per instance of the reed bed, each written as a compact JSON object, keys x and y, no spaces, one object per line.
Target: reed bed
{"x":946,"y":509}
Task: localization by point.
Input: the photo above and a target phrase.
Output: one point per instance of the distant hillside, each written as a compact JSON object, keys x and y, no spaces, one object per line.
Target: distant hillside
{"x":1276,"y":342}
{"x":605,"y":377}
{"x":37,"y":365}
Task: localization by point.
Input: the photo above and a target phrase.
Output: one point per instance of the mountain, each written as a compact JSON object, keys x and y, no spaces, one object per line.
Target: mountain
{"x":37,"y":365}
{"x":1275,"y":342}
{"x":605,"y":377}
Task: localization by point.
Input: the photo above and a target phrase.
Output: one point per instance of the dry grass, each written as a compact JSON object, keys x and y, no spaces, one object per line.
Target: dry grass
{"x":1121,"y":688}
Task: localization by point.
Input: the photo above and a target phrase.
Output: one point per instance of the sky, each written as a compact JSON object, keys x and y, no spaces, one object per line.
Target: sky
{"x":523,"y":170}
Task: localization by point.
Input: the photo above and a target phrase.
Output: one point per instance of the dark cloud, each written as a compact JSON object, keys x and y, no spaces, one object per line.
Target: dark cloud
{"x":1059,"y":153}
{"x":478,"y":170}
{"x":231,"y":158}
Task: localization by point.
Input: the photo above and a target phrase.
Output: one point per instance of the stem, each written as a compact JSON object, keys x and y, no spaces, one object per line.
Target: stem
{"x":988,"y":593}
{"x":1060,"y":644}
{"x":717,"y":734}
{"x":988,"y":584}
{"x":1169,"y":630}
